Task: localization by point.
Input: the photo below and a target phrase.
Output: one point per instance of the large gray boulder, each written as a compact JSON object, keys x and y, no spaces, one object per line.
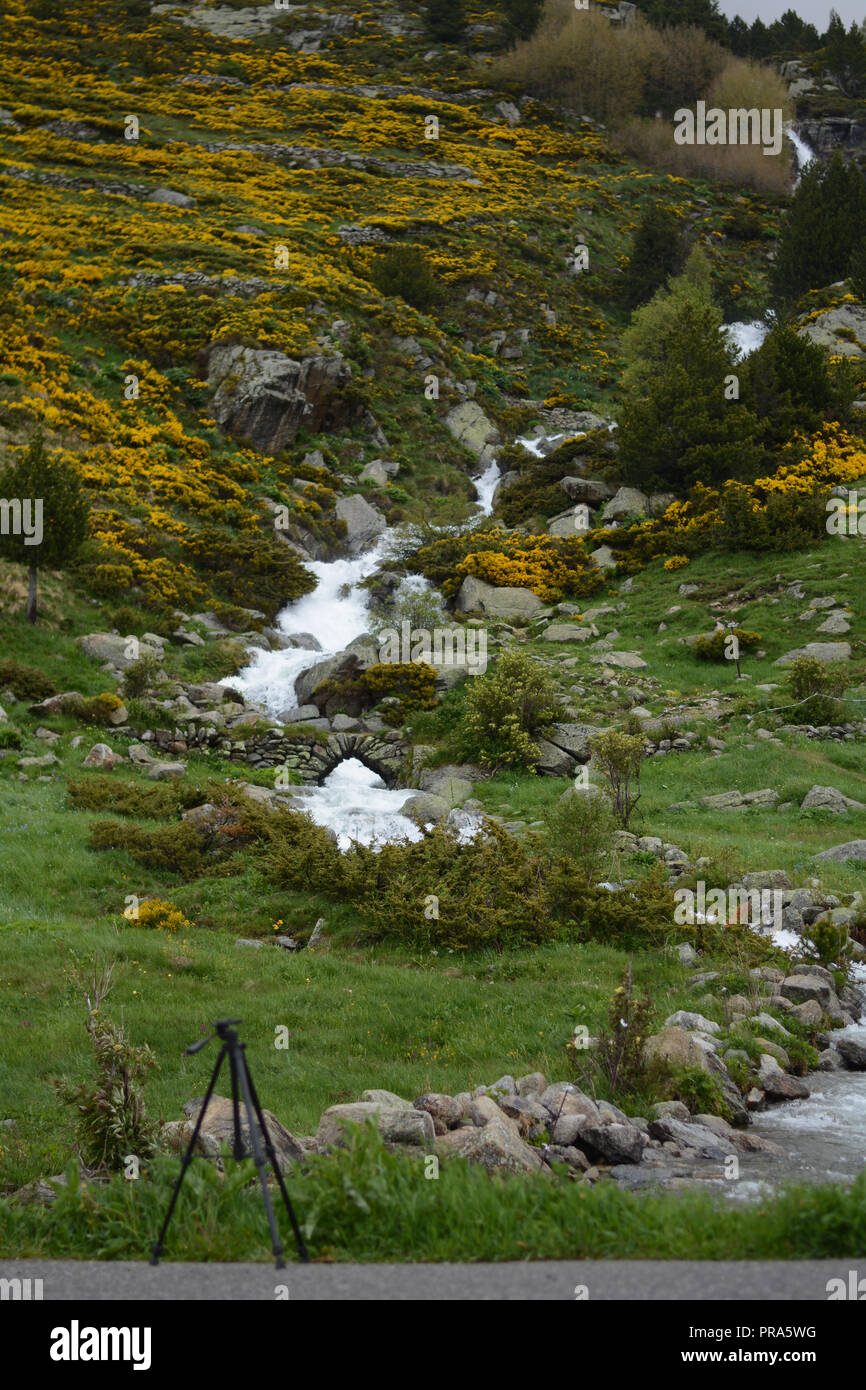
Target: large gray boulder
{"x":119,"y":651}
{"x":821,"y":651}
{"x":218,"y":1125}
{"x":842,"y":329}
{"x":471,"y":428}
{"x":853,"y":851}
{"x":265,"y":396}
{"x":590,"y":491}
{"x":627,"y":501}
{"x":396,"y":1124}
{"x":363,"y":521}
{"x":496,"y":1146}
{"x":829,"y":799}
{"x":508,"y":604}
{"x":852,"y":1050}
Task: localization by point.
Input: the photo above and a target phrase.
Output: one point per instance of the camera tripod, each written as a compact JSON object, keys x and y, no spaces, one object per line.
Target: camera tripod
{"x":242,"y":1089}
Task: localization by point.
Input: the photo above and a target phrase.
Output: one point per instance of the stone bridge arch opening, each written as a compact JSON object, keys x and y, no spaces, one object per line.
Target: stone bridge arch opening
{"x":385,"y":761}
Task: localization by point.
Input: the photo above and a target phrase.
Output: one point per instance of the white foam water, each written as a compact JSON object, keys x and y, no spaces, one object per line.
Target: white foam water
{"x":355,"y":803}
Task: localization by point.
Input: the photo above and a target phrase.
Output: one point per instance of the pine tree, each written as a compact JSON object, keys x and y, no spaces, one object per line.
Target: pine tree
{"x":56,"y":487}
{"x":446,"y":19}
{"x":789,"y":385}
{"x":826,"y":220}
{"x":658,"y":251}
{"x":679,"y":426}
{"x":857,"y":270}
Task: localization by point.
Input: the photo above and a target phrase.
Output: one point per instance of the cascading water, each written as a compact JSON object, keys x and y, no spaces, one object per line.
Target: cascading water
{"x":353,"y":802}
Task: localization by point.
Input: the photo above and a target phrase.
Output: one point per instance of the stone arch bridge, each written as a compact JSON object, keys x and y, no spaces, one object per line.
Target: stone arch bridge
{"x":386,"y":754}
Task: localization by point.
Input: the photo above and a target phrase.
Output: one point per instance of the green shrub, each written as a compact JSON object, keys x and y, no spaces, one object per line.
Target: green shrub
{"x":405,"y":272}
{"x":829,"y":942}
{"x":111,"y":1119}
{"x":619,"y":1051}
{"x":141,"y":675}
{"x":581,"y":829}
{"x":254,"y":571}
{"x":174,"y":847}
{"x":716,"y":646}
{"x":817,"y":686}
{"x":9,"y":737}
{"x":155,"y":800}
{"x":619,"y":756}
{"x":25,"y":682}
{"x":700,"y":1091}
{"x":506,"y":706}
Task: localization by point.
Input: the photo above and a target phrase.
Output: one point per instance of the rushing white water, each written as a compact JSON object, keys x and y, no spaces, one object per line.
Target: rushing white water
{"x":353,"y":802}
{"x":746,"y":335}
{"x":485,"y":486}
{"x":805,"y":155}
{"x":334,"y":613}
{"x":356,"y":805}
{"x":533,"y":443}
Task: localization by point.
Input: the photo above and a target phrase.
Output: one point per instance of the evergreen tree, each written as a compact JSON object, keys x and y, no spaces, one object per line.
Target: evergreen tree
{"x":522,"y":16}
{"x":703,"y":14}
{"x":826,"y":220}
{"x":658,"y":251}
{"x":446,"y":19}
{"x":760,"y":43}
{"x":846,"y":55}
{"x":789,"y":385}
{"x":62,"y":514}
{"x":857,"y":270}
{"x":738,"y":37}
{"x":679,"y":426}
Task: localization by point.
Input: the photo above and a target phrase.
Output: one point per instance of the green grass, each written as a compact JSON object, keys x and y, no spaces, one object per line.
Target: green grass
{"x":357,"y":1017}
{"x":368,"y":1205}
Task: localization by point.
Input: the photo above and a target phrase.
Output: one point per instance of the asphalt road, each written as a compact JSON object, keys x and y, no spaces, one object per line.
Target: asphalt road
{"x":603,"y":1280}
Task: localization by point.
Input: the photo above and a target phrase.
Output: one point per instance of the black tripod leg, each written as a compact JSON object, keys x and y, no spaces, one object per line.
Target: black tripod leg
{"x":258,"y":1157}
{"x":299,"y":1239}
{"x":239,"y":1151}
{"x":187,"y":1158}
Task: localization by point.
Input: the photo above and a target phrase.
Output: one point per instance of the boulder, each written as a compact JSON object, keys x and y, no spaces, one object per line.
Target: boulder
{"x":396,"y":1124}
{"x":589,"y":491}
{"x":508,"y":603}
{"x":829,"y":799}
{"x":218,"y":1125}
{"x":691,"y":1022}
{"x":101,"y":756}
{"x":821,"y":651}
{"x":497,"y":1146}
{"x":363,"y":522}
{"x":165,"y":772}
{"x":171,"y":198}
{"x":799,"y":988}
{"x":119,"y":651}
{"x":776,"y":1084}
{"x":266,"y":397}
{"x":623,"y":661}
{"x":852,"y":1050}
{"x":567,"y":632}
{"x":616,"y":1143}
{"x":445,"y":1112}
{"x":693,"y":1137}
{"x":424,"y":807}
{"x":627,"y":501}
{"x":677,"y":1047}
{"x":470,"y":427}
{"x":852,"y":851}
{"x":604,"y":558}
{"x":573,"y":739}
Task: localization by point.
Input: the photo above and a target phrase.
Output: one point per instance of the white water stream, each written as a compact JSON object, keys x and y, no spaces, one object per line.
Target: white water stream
{"x":353,"y":801}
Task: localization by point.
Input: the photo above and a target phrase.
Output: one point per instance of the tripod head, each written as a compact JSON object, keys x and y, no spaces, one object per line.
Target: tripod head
{"x":224,"y":1030}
